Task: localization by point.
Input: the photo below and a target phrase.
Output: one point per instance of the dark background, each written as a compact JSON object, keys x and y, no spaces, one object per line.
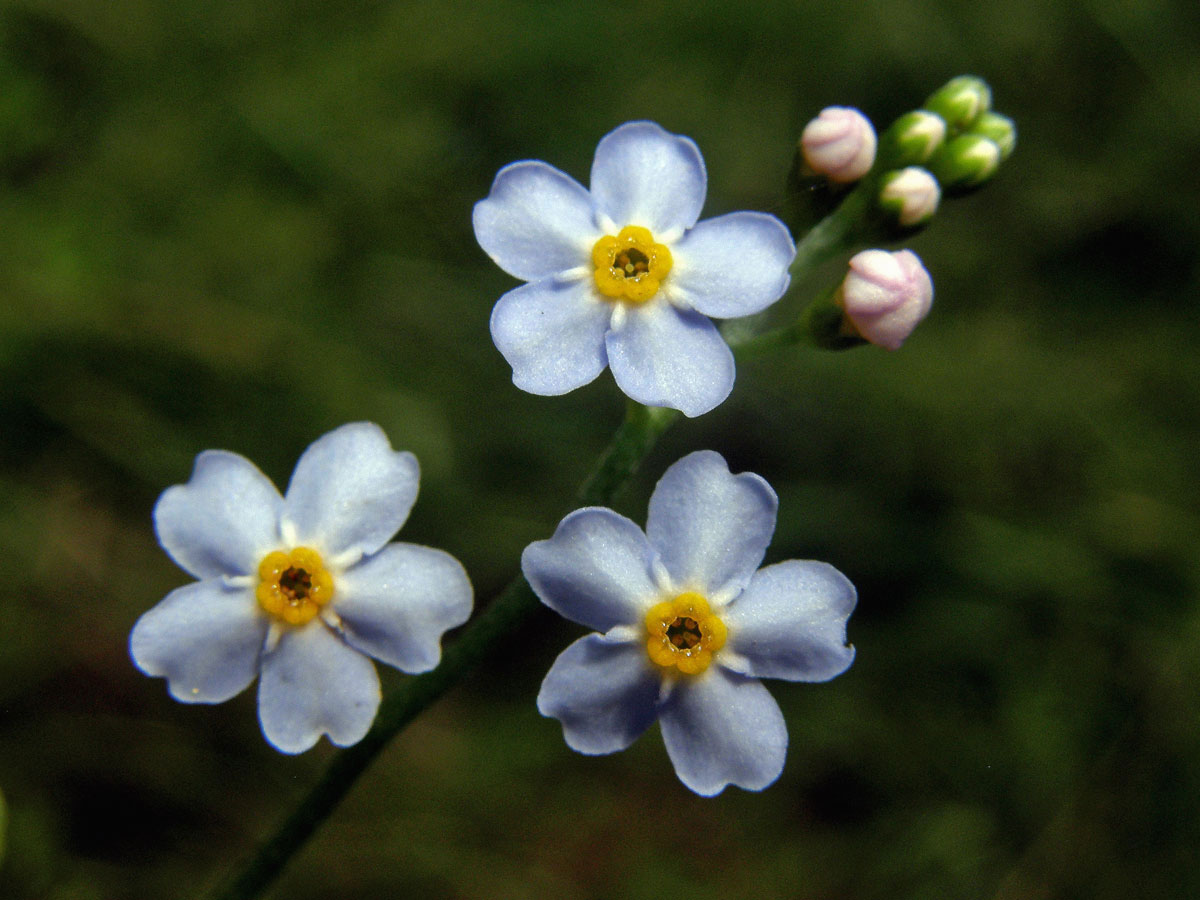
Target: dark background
{"x":237,"y":225}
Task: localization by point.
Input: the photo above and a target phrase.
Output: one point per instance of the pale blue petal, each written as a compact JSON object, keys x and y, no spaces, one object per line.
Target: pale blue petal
{"x":552,"y":334}
{"x":351,"y":491}
{"x":603,"y":692}
{"x":643,"y":175}
{"x":536,"y":221}
{"x":733,"y":265}
{"x":711,"y":527}
{"x":223,"y":521}
{"x":204,"y":638}
{"x":596,"y":570}
{"x":397,"y":604}
{"x":313,"y":683}
{"x":721,"y":728}
{"x":663,"y":356}
{"x":791,"y":622}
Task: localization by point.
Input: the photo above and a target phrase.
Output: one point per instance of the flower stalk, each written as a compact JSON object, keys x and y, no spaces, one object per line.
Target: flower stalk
{"x":857,"y":219}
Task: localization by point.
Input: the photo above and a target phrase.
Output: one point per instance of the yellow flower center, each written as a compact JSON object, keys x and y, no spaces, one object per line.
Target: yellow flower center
{"x":683,"y":633}
{"x":630,"y":266}
{"x":293,"y":584}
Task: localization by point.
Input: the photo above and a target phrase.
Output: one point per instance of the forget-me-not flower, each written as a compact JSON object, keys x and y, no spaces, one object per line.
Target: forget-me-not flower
{"x":299,"y":590}
{"x":623,"y":276}
{"x":686,"y":624}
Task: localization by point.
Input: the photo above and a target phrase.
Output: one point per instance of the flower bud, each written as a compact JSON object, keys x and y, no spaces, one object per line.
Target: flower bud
{"x":911,"y":195}
{"x":966,"y":161}
{"x":885,"y":295}
{"x":960,"y":101}
{"x":999,"y":129}
{"x":839,"y":144}
{"x":912,"y":138}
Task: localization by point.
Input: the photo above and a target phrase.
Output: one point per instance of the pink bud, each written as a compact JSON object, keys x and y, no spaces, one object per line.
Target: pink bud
{"x":885,"y":295}
{"x":839,"y":144}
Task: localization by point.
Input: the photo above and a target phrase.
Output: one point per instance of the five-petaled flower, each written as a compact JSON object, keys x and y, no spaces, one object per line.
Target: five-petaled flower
{"x":299,"y":589}
{"x":623,"y":276}
{"x":687,"y":623}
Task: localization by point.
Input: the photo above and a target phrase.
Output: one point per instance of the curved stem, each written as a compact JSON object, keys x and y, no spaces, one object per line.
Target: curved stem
{"x":633,"y":440}
{"x":836,"y":232}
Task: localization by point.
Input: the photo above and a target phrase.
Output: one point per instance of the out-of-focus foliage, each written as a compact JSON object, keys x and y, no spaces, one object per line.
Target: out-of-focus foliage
{"x":238,"y":225}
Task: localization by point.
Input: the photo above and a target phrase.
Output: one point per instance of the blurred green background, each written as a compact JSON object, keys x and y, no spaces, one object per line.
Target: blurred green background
{"x":238,"y":225}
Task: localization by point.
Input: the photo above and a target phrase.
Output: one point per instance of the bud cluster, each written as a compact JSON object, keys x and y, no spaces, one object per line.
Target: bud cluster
{"x":953,"y":144}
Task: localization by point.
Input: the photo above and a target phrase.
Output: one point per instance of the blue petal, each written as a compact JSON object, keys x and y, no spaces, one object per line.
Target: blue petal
{"x":351,"y":491}
{"x":711,"y":527}
{"x":663,"y":356}
{"x":204,"y":638}
{"x":313,"y":684}
{"x":552,"y":334}
{"x":603,"y":692}
{"x":733,"y":265}
{"x":643,"y":175}
{"x":791,"y":622}
{"x":536,"y":221}
{"x":223,"y":521}
{"x":721,"y":728}
{"x":596,"y":570}
{"x":397,"y":604}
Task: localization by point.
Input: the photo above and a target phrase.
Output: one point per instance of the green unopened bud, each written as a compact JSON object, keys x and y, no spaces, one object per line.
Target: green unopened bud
{"x":912,"y":138}
{"x":910,"y":195}
{"x":960,"y":101}
{"x":966,"y":161}
{"x":1000,"y":130}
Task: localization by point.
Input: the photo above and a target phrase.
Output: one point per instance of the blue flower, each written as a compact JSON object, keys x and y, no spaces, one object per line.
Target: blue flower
{"x":686,"y":624}
{"x":300,"y":589}
{"x":623,"y":276}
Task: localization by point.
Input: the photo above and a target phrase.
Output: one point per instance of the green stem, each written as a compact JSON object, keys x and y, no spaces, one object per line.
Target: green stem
{"x":836,"y":232}
{"x":633,"y":440}
{"x":820,"y":325}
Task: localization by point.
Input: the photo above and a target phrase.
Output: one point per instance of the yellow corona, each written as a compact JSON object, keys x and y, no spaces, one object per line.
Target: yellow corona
{"x":293,"y":585}
{"x":684,"y":633}
{"x":630,"y":266}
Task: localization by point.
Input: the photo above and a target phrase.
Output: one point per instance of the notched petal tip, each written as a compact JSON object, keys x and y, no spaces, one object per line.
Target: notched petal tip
{"x":662,"y":355}
{"x":552,"y":334}
{"x":723,"y":729}
{"x":712,"y":527}
{"x":397,"y":605}
{"x":734,"y":265}
{"x":790,"y":622}
{"x":313,"y":683}
{"x":644,"y":175}
{"x":602,"y":692}
{"x":204,"y":638}
{"x":222,"y":519}
{"x":351,"y":491}
{"x":596,"y":570}
{"x":536,"y":221}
